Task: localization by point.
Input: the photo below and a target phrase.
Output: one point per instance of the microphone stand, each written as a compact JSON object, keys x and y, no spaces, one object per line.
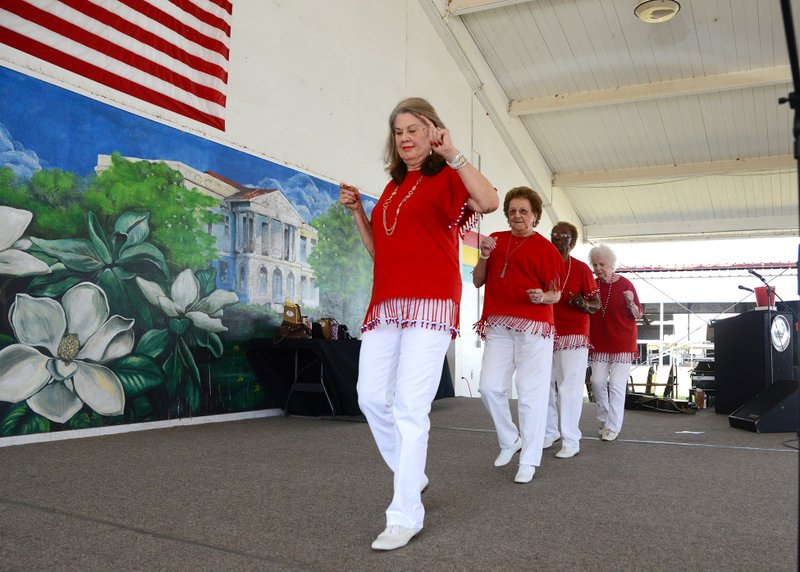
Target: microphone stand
{"x":769,"y":324}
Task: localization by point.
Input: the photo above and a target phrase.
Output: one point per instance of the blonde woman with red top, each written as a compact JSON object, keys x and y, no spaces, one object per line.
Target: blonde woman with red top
{"x":522,"y":273}
{"x":571,"y":348}
{"x":413,"y":237}
{"x":614,"y":335}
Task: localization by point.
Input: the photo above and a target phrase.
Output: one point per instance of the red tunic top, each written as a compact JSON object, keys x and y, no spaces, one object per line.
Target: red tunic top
{"x":572,"y":325}
{"x":532,"y":262}
{"x":613,"y":329}
{"x":417,"y":271}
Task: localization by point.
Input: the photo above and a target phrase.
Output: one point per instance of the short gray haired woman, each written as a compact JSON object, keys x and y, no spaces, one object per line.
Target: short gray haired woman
{"x":613,"y":336}
{"x":522,"y":273}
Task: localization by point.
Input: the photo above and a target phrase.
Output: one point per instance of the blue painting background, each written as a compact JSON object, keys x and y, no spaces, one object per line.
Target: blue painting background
{"x":43,"y":127}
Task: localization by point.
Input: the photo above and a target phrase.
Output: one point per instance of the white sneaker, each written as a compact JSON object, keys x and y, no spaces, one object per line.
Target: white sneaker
{"x":548,"y":441}
{"x":567,"y":452}
{"x":506,"y":454}
{"x":609,"y":435}
{"x":424,"y":486}
{"x":525,"y":474}
{"x":395,"y":536}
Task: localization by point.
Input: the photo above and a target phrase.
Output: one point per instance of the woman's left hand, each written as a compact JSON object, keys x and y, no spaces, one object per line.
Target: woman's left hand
{"x":440,"y":140}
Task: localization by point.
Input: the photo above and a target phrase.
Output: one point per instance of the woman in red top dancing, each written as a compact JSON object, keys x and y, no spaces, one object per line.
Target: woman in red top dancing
{"x":414,"y":239}
{"x":613,"y":335}
{"x":522,"y":273}
{"x":571,"y":348}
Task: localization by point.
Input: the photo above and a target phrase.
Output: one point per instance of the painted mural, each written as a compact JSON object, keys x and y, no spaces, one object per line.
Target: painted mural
{"x":137,"y":262}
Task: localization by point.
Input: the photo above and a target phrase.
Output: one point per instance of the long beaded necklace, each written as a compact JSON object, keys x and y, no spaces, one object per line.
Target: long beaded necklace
{"x":605,"y":304}
{"x":390,"y":230}
{"x":569,"y":269}
{"x":508,"y":254}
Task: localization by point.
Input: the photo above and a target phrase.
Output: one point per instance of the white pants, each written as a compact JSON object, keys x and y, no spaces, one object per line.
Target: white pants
{"x":609,"y":383}
{"x":564,"y":410}
{"x":398,"y":375}
{"x":531,"y":357}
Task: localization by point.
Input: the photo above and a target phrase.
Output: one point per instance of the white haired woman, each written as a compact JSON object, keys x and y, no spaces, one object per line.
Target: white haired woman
{"x":613,"y":336}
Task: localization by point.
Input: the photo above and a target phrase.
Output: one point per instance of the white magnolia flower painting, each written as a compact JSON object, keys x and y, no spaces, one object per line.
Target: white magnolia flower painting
{"x":185,"y":301}
{"x":14,"y":261}
{"x":57,"y":366}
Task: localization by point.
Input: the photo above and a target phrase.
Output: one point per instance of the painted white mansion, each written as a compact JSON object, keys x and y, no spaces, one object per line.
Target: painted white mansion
{"x":262,"y":241}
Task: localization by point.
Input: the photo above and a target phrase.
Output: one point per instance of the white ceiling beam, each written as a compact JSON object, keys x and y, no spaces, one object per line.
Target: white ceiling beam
{"x":644,"y":92}
{"x":783,"y":225}
{"x":753,"y":165}
{"x":492,"y":98}
{"x":460,"y":7}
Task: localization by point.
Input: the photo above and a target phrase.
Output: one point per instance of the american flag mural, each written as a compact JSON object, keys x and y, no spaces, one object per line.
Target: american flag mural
{"x":170,"y":53}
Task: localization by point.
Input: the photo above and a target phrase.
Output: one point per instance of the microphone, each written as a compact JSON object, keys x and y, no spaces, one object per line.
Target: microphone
{"x":745,"y":288}
{"x":757,"y":275}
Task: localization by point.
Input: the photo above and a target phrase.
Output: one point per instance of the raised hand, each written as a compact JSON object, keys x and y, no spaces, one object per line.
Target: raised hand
{"x":349,"y":196}
{"x":440,"y":140}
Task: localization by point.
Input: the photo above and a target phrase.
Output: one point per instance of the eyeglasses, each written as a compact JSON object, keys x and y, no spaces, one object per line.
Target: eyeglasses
{"x":561,"y":235}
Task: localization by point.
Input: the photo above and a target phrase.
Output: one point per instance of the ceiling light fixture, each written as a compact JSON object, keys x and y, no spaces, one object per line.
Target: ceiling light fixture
{"x":655,"y":11}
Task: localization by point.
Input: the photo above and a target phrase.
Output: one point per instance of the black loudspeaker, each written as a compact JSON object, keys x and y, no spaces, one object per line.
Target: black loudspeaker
{"x":745,"y":360}
{"x":774,"y":410}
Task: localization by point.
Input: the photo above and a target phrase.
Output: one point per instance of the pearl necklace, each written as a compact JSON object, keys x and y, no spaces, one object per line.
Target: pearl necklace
{"x":390,"y":231}
{"x":605,"y":305}
{"x":508,"y":254}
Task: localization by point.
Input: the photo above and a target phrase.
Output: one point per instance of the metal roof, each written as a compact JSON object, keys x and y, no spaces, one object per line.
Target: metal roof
{"x":649,"y":131}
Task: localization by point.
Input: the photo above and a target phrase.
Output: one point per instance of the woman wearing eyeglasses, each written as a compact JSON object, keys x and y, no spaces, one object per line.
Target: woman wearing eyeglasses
{"x":579,"y":299}
{"x":522,"y":273}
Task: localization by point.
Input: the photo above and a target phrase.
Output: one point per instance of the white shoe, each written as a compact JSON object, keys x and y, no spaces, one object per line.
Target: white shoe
{"x":395,"y":536}
{"x":525,"y":474}
{"x":609,"y":435}
{"x":424,"y":486}
{"x":548,"y":441}
{"x":567,"y":452}
{"x":506,"y":454}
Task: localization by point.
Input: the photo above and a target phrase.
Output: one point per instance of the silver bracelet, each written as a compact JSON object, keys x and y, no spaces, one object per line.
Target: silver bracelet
{"x":458,"y":161}
{"x":482,"y":257}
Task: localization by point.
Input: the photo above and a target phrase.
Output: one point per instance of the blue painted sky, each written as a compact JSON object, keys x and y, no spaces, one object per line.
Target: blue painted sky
{"x":43,"y":127}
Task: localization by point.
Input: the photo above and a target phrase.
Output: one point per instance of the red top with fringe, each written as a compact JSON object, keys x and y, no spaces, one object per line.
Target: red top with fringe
{"x":417,"y":271}
{"x":572,"y":325}
{"x":533,"y":262}
{"x":613,"y":329}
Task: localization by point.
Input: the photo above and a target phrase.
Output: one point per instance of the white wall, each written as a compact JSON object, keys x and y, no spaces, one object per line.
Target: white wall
{"x":311,"y":84}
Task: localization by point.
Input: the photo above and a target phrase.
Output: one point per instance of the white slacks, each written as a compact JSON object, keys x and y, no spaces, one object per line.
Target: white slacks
{"x":398,"y":375}
{"x":531,"y":357}
{"x":609,"y":383}
{"x":564,"y":409}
